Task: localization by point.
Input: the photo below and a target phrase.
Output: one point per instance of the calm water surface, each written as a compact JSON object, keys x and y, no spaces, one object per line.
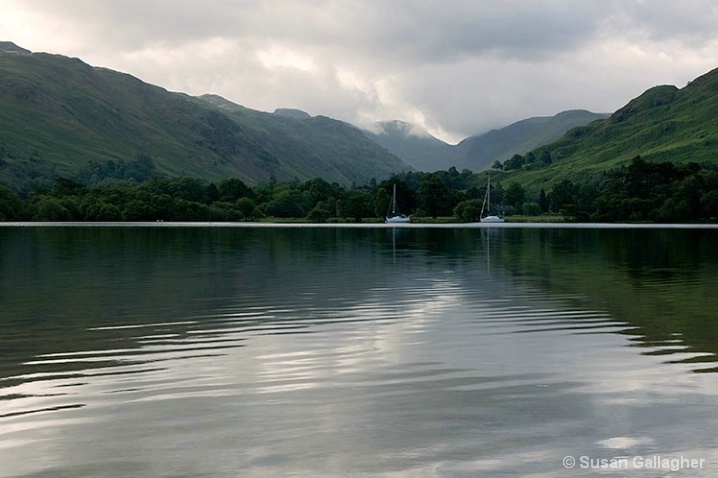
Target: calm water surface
{"x":306,"y":351}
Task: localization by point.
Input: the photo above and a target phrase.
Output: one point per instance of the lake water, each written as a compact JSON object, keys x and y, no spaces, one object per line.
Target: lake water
{"x":204,"y":351}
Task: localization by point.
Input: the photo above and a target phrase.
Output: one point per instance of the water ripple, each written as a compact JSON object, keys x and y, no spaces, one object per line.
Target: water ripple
{"x":280,"y":360}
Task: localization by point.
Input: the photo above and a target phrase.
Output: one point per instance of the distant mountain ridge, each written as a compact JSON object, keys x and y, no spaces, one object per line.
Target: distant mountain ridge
{"x":476,"y":153}
{"x":9,"y":46}
{"x":413,"y":145}
{"x":318,"y":145}
{"x":521,"y":137}
{"x":62,"y":117}
{"x":292,"y":113}
{"x":664,"y":123}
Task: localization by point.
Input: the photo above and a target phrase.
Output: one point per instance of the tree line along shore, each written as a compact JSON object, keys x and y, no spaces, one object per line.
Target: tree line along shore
{"x":639,"y":192}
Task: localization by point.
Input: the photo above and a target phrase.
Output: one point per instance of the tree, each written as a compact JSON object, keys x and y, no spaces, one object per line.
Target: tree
{"x":109,"y":212}
{"x":515,"y":196}
{"x":356,"y":205}
{"x":434,"y":196}
{"x":67,"y":187}
{"x":709,"y":203}
{"x":247,"y":207}
{"x":10,"y":205}
{"x":529,"y":158}
{"x":545,"y":158}
{"x":183,"y":210}
{"x":515,"y":162}
{"x":320,"y":212}
{"x":469,"y":210}
{"x":319,"y":190}
{"x":562,"y":195}
{"x":381,"y":202}
{"x":211,"y":194}
{"x":287,"y":203}
{"x":405,"y":196}
{"x":232,"y":189}
{"x":136,"y":210}
{"x":530,"y":209}
{"x":189,"y":189}
{"x":50,"y":209}
{"x":161,"y":207}
{"x":543,"y":201}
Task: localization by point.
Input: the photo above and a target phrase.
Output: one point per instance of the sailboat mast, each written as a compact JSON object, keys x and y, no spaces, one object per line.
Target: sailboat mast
{"x":393,"y":201}
{"x":488,"y":196}
{"x":490,"y":216}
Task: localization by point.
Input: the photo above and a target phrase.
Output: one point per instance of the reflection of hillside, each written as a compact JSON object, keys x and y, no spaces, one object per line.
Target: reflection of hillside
{"x":56,"y":283}
{"x":661,"y":280}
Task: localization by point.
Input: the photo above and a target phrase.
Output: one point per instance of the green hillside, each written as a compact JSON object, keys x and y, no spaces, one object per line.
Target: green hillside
{"x":555,"y":127}
{"x":664,"y":124}
{"x":314,"y":147}
{"x":480,"y":152}
{"x":62,"y":117}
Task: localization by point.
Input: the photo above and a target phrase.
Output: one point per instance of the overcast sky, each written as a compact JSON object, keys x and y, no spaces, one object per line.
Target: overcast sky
{"x":456,"y":68}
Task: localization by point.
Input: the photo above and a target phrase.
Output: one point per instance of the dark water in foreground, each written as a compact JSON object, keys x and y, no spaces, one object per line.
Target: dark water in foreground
{"x":222,"y":352}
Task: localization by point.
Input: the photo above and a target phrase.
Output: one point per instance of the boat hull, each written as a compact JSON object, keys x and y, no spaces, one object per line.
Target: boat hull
{"x":492,"y":219}
{"x":399,"y":219}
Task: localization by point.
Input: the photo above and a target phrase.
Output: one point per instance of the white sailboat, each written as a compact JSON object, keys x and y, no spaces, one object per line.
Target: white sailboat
{"x":394,"y":217}
{"x":489,"y":218}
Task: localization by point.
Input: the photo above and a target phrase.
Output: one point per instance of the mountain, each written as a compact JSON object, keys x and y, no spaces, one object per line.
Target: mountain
{"x":413,"y":145}
{"x":62,"y":117}
{"x":292,"y":113}
{"x":480,"y":152}
{"x":664,"y":123}
{"x":427,"y":153}
{"x":314,"y":146}
{"x":10,"y":47}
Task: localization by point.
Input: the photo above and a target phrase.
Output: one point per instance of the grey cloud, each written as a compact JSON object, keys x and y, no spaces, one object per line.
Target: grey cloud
{"x":461,"y":66}
{"x":399,"y":30}
{"x":476,"y":28}
{"x":691,"y":23}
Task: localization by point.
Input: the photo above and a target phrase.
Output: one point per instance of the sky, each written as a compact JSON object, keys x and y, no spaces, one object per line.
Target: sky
{"x":454,"y":68}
